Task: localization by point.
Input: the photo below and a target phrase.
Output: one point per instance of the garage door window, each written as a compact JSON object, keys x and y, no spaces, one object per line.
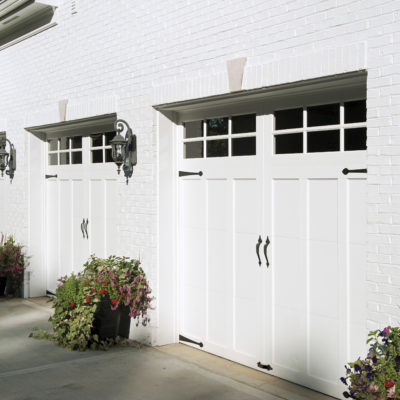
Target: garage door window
{"x":220,"y":137}
{"x":101,"y":147}
{"x":321,"y":128}
{"x":69,"y":150}
{"x":65,"y":150}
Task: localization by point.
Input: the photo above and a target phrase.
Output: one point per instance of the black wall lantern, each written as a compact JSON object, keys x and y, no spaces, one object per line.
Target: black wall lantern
{"x":123,"y":150}
{"x":7,"y":159}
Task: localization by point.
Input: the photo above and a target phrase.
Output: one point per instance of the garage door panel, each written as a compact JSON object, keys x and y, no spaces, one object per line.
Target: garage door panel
{"x":287,"y":212}
{"x":323,"y":353}
{"x":247,"y":339}
{"x":65,"y":227}
{"x":194,"y":316}
{"x":111,"y":221}
{"x":97,"y":218}
{"x":322,"y":209}
{"x":193,"y":204}
{"x":247,"y":214}
{"x":289,"y":344}
{"x":324,"y":281}
{"x":80,"y":211}
{"x":194,"y":258}
{"x":357,"y":210}
{"x":289,"y":276}
{"x":52,"y":234}
{"x":219,"y":318}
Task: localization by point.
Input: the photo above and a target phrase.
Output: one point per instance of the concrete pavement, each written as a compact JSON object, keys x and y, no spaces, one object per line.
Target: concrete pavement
{"x":33,"y":369}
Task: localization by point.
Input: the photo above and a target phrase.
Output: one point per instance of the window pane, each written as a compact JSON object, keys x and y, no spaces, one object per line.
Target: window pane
{"x":193,"y":129}
{"x":97,"y":156}
{"x":76,"y":157}
{"x":108,"y":136}
{"x":217,"y":148}
{"x":64,"y":158}
{"x":193,"y":150}
{"x":323,"y":141}
{"x":244,"y":146}
{"x":53,"y":144}
{"x":53,"y":159}
{"x":97,"y":140}
{"x":217,"y":126}
{"x":355,"y":139}
{"x":244,"y":123}
{"x":108,"y":155}
{"x":328,"y":114}
{"x":76,"y":142}
{"x":289,"y":119}
{"x":355,"y":111}
{"x":64,"y":143}
{"x":289,"y":144}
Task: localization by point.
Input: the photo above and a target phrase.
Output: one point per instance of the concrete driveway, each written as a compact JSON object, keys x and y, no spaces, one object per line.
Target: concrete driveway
{"x":33,"y":369}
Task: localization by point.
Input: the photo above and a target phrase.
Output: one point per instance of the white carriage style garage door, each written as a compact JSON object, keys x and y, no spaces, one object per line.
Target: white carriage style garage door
{"x":80,"y":201}
{"x":272,"y":236}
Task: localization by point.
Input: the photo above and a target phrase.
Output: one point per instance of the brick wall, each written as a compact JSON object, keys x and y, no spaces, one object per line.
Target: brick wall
{"x":146,"y":53}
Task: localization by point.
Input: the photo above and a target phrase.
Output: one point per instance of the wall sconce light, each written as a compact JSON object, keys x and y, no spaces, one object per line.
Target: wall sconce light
{"x":7,"y":159}
{"x":123,"y":150}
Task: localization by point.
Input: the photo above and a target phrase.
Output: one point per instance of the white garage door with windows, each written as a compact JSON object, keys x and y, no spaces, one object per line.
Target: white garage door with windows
{"x":81,"y":201}
{"x":272,"y":235}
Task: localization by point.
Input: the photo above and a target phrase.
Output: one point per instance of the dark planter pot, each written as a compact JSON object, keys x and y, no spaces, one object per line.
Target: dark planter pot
{"x":110,"y":324}
{"x":3,"y":283}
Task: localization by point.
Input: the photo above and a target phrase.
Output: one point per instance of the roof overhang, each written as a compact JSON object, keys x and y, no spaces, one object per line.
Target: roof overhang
{"x":83,"y":126}
{"x":351,"y":82}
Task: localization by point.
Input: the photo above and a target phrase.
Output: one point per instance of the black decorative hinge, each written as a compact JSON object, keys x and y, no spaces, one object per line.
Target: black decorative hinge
{"x":346,"y":171}
{"x":185,"y":173}
{"x":264,"y":366}
{"x":185,"y":339}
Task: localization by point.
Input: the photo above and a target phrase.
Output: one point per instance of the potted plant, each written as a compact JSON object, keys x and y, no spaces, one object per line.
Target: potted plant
{"x":93,"y":309}
{"x":12,"y":266}
{"x":377,"y":377}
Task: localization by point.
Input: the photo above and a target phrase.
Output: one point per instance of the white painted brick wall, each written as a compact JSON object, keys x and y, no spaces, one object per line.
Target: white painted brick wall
{"x":142,"y":53}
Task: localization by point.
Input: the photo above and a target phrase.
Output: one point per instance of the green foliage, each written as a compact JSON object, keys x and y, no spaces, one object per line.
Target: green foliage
{"x":378,"y":375}
{"x":77,"y":297}
{"x":12,"y":264}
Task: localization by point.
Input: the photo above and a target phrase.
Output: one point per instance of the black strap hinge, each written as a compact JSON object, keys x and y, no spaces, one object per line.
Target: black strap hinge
{"x":264,"y":366}
{"x":185,"y":339}
{"x":185,"y":173}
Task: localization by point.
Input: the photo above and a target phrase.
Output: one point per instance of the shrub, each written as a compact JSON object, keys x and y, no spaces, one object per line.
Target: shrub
{"x":12,"y":264}
{"x":122,"y":280}
{"x":377,"y":377}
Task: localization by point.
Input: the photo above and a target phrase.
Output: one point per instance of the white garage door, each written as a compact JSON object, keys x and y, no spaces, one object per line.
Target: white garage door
{"x":80,"y":203}
{"x":272,"y":190}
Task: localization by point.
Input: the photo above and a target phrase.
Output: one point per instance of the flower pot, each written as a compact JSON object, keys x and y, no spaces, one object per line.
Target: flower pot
{"x":3,"y":283}
{"x":110,"y":324}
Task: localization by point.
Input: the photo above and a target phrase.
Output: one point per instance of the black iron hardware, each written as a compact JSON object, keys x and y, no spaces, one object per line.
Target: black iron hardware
{"x":264,"y":366}
{"x":354,"y":171}
{"x":85,"y":226}
{"x":258,"y":250}
{"x":82,"y":227}
{"x":185,"y":339}
{"x":184,"y":173}
{"x":267,"y":242}
{"x":50,"y":176}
